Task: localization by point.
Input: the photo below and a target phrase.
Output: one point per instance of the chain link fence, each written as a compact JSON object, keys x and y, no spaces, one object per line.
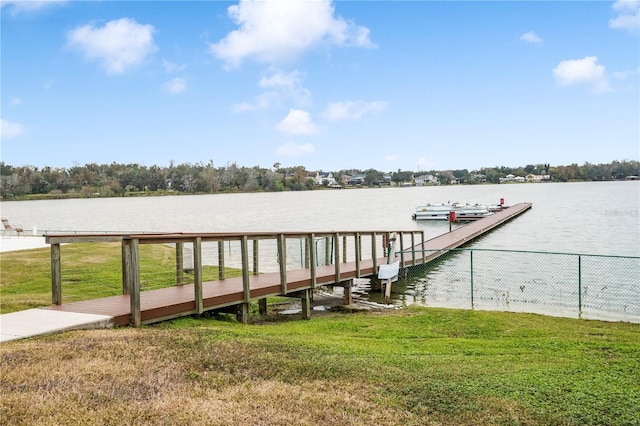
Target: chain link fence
{"x":564,"y":284}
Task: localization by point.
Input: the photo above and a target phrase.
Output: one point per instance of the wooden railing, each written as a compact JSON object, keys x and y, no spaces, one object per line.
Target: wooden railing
{"x":336,"y":249}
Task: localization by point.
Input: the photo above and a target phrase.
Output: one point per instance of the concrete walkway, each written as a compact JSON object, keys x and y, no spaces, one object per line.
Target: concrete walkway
{"x":36,"y":322}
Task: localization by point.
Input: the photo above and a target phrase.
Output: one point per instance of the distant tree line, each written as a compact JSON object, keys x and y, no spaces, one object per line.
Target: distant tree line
{"x":110,"y":180}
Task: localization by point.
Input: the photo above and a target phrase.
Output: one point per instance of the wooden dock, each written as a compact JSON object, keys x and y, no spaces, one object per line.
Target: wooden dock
{"x":137,"y":307}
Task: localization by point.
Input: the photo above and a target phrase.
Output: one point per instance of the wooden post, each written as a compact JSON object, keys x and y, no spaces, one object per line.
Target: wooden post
{"x":282,"y":260}
{"x":197,"y":275}
{"x":126,"y":266}
{"x":401,"y":236}
{"x":348,"y":294}
{"x":387,"y":291}
{"x":126,"y":285}
{"x":221,"y":260}
{"x":134,"y":281}
{"x":255,"y":257}
{"x":262,"y":306}
{"x":312,"y":259}
{"x":413,"y":249}
{"x":424,"y":256}
{"x":179,"y":264}
{"x":336,"y":239}
{"x":307,"y":253}
{"x":306,"y":304}
{"x":56,"y":275}
{"x":358,"y":246}
{"x":246,"y":285}
{"x":344,"y":249}
{"x":327,"y":250}
{"x":243,"y":313}
{"x":374,"y":253}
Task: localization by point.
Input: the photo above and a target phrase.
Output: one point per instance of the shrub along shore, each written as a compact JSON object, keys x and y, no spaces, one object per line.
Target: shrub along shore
{"x":412,"y":366}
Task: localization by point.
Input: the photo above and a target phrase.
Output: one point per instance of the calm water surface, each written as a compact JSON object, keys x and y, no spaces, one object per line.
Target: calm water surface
{"x":592,"y":218}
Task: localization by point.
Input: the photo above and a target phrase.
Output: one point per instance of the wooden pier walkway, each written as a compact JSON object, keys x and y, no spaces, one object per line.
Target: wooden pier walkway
{"x":137,"y":307}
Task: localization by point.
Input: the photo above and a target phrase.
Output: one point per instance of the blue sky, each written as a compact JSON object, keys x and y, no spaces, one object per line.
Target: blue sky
{"x":415,"y":85}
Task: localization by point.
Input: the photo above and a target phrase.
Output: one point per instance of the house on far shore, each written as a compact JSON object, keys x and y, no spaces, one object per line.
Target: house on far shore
{"x":325,"y":178}
{"x":512,"y":178}
{"x":538,"y":178}
{"x":356,"y":180}
{"x":423,"y":180}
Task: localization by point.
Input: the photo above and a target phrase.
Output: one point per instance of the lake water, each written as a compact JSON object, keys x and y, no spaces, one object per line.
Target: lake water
{"x":588,"y":218}
{"x":592,"y":218}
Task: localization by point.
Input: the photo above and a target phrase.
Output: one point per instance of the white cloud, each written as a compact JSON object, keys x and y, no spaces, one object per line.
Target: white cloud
{"x":275,"y":31}
{"x":291,"y":149}
{"x":582,"y":71}
{"x":175,"y":86}
{"x":263,"y":101}
{"x":530,"y":37}
{"x":11,"y":130}
{"x":172,"y":68}
{"x":120,"y":44}
{"x":282,"y":87}
{"x":626,"y":5}
{"x":628,"y":15}
{"x":623,"y":75}
{"x":297,"y":122}
{"x":14,"y":100}
{"x":352,"y":110}
{"x":288,"y":85}
{"x":25,"y":6}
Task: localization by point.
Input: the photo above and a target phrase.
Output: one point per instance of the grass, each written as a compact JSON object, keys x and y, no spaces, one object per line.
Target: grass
{"x":415,"y":366}
{"x":412,"y":367}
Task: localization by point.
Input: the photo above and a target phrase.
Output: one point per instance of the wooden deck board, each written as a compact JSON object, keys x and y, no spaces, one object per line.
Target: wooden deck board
{"x":180,"y":300}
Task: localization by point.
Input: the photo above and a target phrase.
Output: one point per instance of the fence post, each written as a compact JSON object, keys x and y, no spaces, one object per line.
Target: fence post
{"x":471,"y":252}
{"x":579,"y":286}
